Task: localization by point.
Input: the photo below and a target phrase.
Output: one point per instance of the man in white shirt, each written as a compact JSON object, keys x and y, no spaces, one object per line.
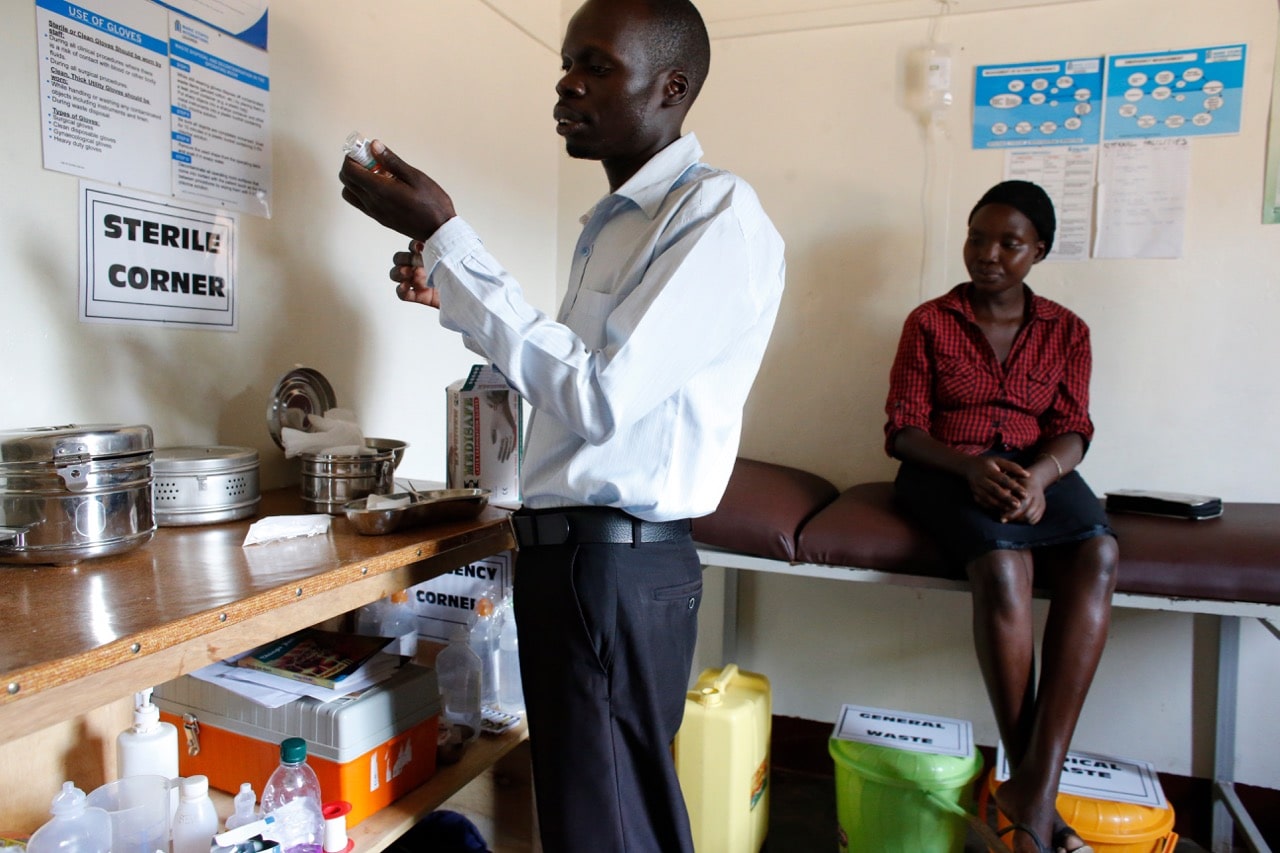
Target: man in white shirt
{"x":637,"y":387}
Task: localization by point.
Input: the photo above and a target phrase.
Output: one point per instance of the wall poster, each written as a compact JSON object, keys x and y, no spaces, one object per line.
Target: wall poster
{"x":138,"y":94}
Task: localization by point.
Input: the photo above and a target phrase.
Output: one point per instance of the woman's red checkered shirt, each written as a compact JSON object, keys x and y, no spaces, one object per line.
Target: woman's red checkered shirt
{"x":946,"y":380}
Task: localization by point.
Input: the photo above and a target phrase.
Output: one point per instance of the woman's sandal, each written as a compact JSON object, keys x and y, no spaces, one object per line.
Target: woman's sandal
{"x":1059,"y":841}
{"x":1018,"y":827}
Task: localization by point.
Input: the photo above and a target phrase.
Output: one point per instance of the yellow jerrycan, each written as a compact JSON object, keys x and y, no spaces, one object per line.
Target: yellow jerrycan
{"x":722,"y":760}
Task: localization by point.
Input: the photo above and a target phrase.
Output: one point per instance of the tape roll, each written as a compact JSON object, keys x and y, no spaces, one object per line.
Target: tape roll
{"x":335,"y":827}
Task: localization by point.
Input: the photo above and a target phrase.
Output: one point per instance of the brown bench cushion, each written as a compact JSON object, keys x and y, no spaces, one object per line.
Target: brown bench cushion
{"x":1235,"y":557}
{"x":861,"y":528}
{"x":763,"y":509}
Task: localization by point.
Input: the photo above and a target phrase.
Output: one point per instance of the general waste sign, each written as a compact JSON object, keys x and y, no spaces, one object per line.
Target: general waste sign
{"x":905,"y":731}
{"x":152,"y":261}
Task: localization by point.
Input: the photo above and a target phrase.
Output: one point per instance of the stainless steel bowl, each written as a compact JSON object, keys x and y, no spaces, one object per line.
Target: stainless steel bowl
{"x":331,"y":480}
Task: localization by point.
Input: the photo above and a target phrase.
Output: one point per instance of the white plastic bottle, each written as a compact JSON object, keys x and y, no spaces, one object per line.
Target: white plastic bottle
{"x":75,"y":827}
{"x":292,"y":796}
{"x":458,"y":670}
{"x":149,"y":746}
{"x":196,"y":821}
{"x":484,"y":641}
{"x":245,"y":805}
{"x":510,"y":687}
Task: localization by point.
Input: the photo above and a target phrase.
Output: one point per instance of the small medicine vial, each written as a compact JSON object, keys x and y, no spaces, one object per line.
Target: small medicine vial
{"x":357,"y":148}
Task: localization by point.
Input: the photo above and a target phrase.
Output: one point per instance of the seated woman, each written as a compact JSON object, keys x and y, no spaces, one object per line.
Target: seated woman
{"x":988,"y":411}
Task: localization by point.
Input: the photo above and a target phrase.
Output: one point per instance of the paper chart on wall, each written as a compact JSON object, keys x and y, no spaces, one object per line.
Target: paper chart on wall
{"x":1142,"y":198}
{"x":1067,"y":175}
{"x":1196,"y":92}
{"x":1055,"y":102}
{"x":1271,"y":182}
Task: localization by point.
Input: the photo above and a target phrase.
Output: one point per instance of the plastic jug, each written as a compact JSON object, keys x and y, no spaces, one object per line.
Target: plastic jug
{"x":76,"y":827}
{"x":722,"y":759}
{"x":139,"y":811}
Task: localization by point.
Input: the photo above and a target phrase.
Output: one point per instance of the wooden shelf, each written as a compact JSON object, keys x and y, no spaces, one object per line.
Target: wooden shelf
{"x":79,"y":637}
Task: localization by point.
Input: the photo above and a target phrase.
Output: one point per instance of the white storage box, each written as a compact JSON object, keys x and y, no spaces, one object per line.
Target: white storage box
{"x":368,"y":749}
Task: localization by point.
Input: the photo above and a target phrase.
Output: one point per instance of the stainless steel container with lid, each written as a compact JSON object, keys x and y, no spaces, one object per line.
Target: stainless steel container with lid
{"x":205,"y":485}
{"x":72,"y":492}
{"x":330,"y":480}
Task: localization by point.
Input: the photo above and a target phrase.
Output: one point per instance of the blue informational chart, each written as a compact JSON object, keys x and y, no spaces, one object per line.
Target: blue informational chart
{"x":1174,"y":93}
{"x":1039,"y":104}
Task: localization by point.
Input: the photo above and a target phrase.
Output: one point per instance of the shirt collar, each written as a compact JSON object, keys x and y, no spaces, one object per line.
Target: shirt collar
{"x":1040,"y":308}
{"x":651,"y":184}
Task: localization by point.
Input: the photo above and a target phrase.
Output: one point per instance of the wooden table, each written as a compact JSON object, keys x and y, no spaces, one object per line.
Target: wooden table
{"x":76,"y":638}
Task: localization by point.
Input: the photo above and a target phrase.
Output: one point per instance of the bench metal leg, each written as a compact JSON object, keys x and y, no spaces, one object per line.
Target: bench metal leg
{"x":1229,"y":814}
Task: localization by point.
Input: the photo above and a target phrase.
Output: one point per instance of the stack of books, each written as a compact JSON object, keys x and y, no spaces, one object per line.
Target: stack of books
{"x":324,"y":665}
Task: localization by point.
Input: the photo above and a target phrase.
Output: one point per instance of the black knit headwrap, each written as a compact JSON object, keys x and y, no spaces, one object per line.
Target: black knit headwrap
{"x":1029,"y":200}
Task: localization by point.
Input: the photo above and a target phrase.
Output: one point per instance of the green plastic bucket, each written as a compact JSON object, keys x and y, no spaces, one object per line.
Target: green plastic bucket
{"x":896,"y":801}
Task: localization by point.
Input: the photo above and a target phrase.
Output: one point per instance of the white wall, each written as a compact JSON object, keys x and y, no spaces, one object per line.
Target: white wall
{"x":1183,"y":389}
{"x":312,"y":279}
{"x":812,"y":118}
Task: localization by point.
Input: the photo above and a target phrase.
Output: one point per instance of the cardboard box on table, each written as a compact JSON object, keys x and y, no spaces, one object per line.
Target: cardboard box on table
{"x":485,"y":439}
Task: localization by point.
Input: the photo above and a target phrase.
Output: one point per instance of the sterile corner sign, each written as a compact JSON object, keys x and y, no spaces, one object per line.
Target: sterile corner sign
{"x":147,"y":261}
{"x":906,"y":731}
{"x":1102,"y":777}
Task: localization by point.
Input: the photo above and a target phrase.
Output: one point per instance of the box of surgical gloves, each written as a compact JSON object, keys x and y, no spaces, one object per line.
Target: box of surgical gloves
{"x":485,"y":435}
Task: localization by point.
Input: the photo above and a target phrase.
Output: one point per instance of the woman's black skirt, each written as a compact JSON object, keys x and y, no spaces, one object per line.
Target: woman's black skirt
{"x":941,"y":503}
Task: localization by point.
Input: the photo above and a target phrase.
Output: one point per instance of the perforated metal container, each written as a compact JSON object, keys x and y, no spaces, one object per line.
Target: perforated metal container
{"x":72,"y":492}
{"x":205,"y":485}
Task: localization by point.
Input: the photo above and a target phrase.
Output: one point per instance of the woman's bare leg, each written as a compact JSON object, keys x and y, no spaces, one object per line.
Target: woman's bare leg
{"x":1075,"y":634}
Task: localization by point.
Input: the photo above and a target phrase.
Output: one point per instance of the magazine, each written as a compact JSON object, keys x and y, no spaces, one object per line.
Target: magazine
{"x":315,"y":656}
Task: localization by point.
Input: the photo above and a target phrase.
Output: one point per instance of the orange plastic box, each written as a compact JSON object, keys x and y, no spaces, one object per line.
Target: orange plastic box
{"x":369,"y":750}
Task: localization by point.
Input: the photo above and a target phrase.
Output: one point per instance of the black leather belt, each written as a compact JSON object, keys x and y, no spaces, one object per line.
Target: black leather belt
{"x":591,"y":526}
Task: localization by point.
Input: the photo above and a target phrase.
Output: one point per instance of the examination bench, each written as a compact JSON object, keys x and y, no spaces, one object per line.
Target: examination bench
{"x":779,"y":519}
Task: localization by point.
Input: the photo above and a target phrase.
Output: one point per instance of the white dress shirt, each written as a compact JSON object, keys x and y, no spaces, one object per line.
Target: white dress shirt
{"x":638,"y":384}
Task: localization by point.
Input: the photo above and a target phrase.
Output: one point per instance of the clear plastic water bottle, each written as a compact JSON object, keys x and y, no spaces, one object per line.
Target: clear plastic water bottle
{"x":510,"y":687}
{"x":401,"y":621}
{"x":196,"y":822}
{"x":484,"y":642}
{"x":391,"y":617}
{"x":75,"y":827}
{"x":292,"y":795}
{"x":458,"y":670}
